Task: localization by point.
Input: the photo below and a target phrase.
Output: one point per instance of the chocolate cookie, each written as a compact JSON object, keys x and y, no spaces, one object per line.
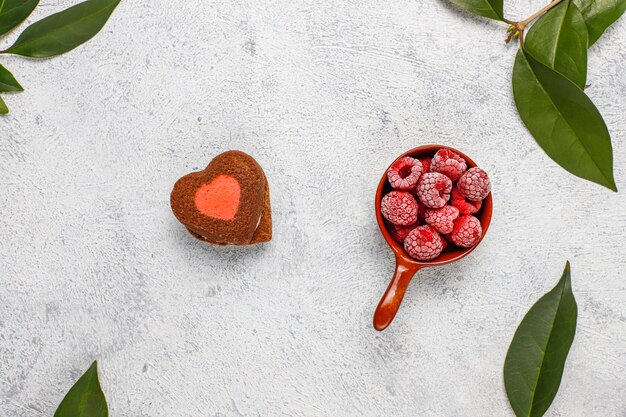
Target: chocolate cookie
{"x":228,"y":203}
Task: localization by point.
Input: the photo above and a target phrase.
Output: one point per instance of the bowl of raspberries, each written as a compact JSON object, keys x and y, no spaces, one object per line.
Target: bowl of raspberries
{"x":433,"y":206}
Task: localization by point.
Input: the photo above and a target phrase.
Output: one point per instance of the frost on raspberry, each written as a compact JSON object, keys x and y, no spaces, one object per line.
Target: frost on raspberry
{"x":467,"y":231}
{"x":448,"y":163}
{"x":442,"y":219}
{"x":474,"y":184}
{"x":399,"y":208}
{"x":404,"y":173}
{"x":399,"y":233}
{"x":464,"y":205}
{"x":433,"y":189}
{"x":423,"y":243}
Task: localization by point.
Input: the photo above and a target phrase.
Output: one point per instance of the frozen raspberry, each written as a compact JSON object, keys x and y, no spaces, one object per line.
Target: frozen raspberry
{"x":426,"y":164}
{"x":433,"y":189}
{"x":399,"y":233}
{"x":423,"y":243}
{"x":399,"y":208}
{"x":463,"y":204}
{"x":442,"y":220}
{"x":404,"y":173}
{"x":474,"y":184}
{"x":467,"y":231}
{"x":448,"y":163}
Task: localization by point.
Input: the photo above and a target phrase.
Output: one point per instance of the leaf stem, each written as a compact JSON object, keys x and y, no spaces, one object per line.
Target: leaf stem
{"x":516,"y":29}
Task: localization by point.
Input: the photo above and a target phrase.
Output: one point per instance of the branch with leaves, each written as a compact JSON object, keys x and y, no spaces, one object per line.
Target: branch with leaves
{"x":549,"y":79}
{"x":52,"y":36}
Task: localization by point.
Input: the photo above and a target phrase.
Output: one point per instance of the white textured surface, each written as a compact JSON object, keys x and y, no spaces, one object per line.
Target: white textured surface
{"x":324,"y":94}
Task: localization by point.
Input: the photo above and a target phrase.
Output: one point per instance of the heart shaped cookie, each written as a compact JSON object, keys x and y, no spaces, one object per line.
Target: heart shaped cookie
{"x":228,"y":203}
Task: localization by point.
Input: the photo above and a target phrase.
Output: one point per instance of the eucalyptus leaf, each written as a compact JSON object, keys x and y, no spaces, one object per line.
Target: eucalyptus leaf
{"x":3,"y":107}
{"x":599,"y":15}
{"x":64,"y":31}
{"x":14,"y":12}
{"x":534,"y":363}
{"x":85,"y":398}
{"x":559,"y":40}
{"x":491,"y":9}
{"x":563,"y":120}
{"x":8,"y":83}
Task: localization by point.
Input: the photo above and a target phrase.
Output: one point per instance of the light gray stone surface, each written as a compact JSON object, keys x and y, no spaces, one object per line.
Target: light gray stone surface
{"x":324,"y":94}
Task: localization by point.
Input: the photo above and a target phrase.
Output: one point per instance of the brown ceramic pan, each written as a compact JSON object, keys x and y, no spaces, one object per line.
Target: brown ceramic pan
{"x":406,"y":267}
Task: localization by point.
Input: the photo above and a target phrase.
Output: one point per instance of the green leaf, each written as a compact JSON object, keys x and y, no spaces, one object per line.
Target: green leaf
{"x":3,"y":107}
{"x":64,"y":31}
{"x":536,"y":358}
{"x":491,"y":9}
{"x":85,"y":398}
{"x":564,"y":122}
{"x":14,"y":12}
{"x":559,"y":41}
{"x":8,"y":83}
{"x":599,"y":15}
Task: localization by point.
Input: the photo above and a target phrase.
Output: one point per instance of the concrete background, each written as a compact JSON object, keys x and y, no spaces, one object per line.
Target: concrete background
{"x":324,"y":94}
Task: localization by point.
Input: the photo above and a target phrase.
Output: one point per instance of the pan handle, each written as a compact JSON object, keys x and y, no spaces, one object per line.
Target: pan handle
{"x":390,"y":303}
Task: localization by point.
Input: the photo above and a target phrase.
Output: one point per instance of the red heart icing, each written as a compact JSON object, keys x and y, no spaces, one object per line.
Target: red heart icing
{"x":219,"y":198}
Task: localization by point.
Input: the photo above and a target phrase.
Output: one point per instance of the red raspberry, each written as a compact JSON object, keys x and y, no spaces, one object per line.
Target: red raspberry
{"x":433,"y":189}
{"x":464,"y":205}
{"x":448,"y":163}
{"x":474,"y":184}
{"x":404,"y":173}
{"x":426,"y":164}
{"x":399,"y":208}
{"x":442,"y":220}
{"x":399,"y":233}
{"x":467,"y":231}
{"x":423,"y":243}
